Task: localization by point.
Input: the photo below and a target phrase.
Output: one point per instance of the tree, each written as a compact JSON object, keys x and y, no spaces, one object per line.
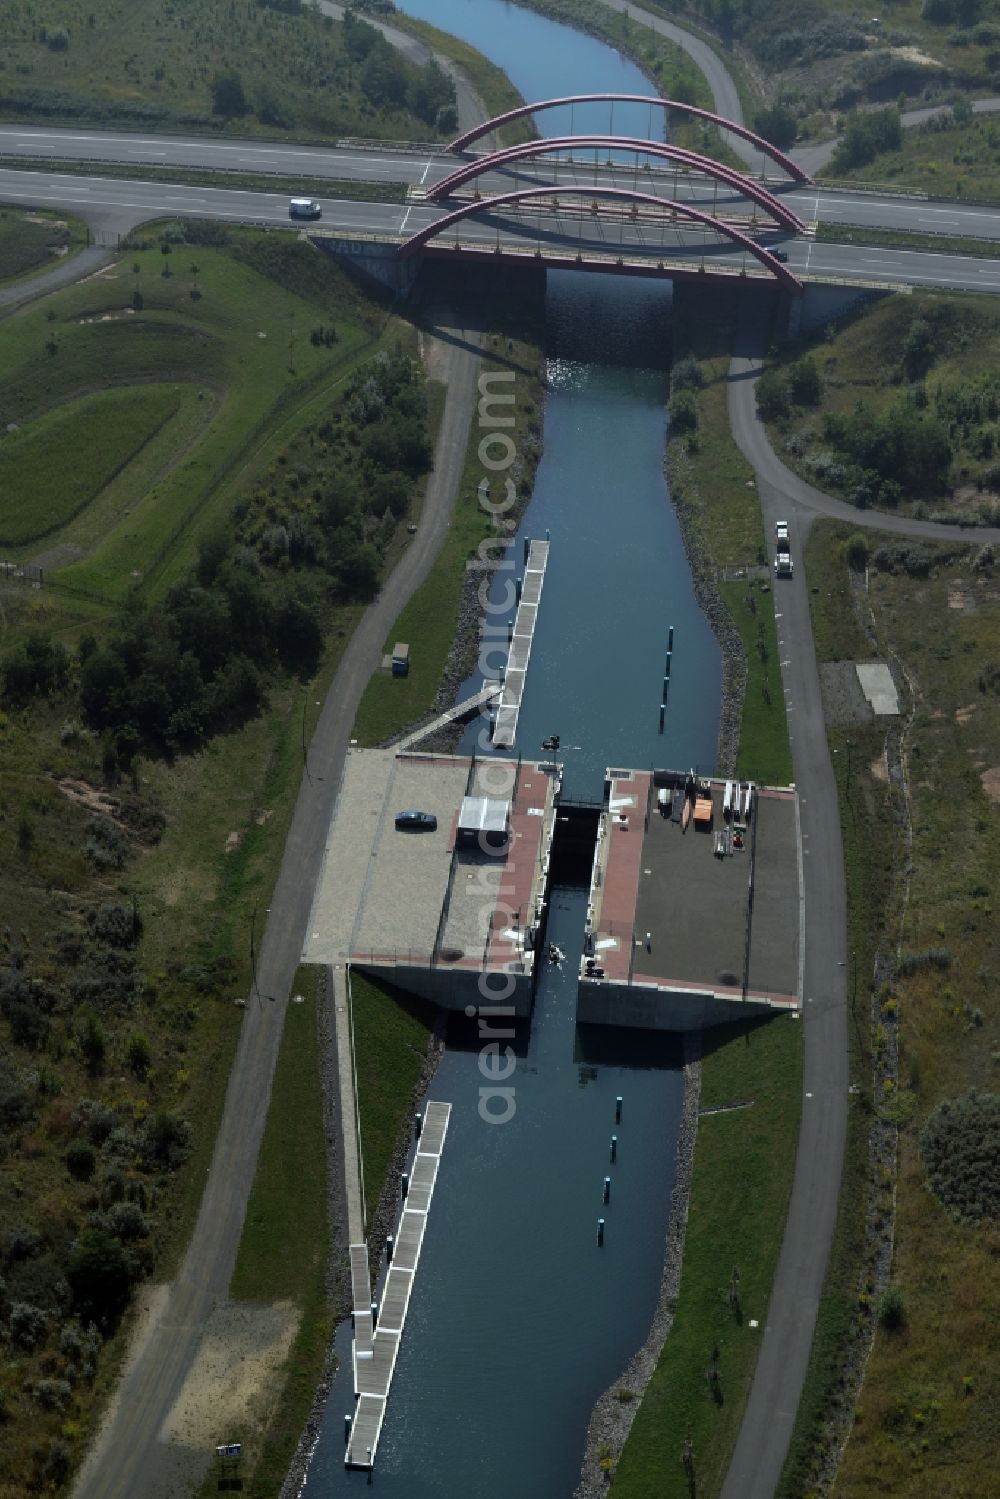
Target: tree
{"x":139,"y":1054}
{"x":772,"y":395}
{"x":777,"y":125}
{"x":93,"y":1044}
{"x":804,"y":384}
{"x":228,"y":96}
{"x":891,"y":1308}
{"x":683,"y":412}
{"x":918,"y":350}
{"x":98,"y":1275}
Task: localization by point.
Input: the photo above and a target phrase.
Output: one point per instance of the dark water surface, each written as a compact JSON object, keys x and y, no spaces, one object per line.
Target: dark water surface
{"x":518,"y":1320}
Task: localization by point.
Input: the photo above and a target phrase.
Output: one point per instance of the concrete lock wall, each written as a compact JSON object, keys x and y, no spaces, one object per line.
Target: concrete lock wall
{"x":457,"y":988}
{"x":646,"y":1008}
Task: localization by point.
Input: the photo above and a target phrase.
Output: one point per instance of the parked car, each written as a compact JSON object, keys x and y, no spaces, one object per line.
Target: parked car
{"x":781,"y":530}
{"x":416,"y":822}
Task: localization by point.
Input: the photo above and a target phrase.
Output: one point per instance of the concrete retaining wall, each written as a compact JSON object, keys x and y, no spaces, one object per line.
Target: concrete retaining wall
{"x":642,"y":1007}
{"x":455,"y":988}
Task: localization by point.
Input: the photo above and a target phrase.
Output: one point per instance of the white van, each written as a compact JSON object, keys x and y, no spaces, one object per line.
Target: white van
{"x":304,"y":208}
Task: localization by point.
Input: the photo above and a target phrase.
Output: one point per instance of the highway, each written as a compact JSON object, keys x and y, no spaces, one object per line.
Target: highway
{"x":119,"y":204}
{"x":423,"y":167}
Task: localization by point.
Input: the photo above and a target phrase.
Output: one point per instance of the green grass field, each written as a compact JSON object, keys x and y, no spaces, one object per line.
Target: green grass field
{"x":925,"y":1422}
{"x":391,"y":1035}
{"x":736,"y":1219}
{"x":139,"y":64}
{"x":945,"y":160}
{"x":86,"y":443}
{"x":285,"y":1244}
{"x":764,"y":752}
{"x":237,"y":321}
{"x":35,"y":241}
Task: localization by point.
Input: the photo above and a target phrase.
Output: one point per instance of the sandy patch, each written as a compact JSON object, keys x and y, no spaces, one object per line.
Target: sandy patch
{"x":39,"y":218}
{"x":962,"y":715}
{"x":914,"y":54}
{"x":108,"y":317}
{"x":265,"y":815}
{"x":958,"y":598}
{"x":87,"y":796}
{"x":879,"y":770}
{"x":232,"y":843}
{"x":991,"y":783}
{"x":232,"y":1380}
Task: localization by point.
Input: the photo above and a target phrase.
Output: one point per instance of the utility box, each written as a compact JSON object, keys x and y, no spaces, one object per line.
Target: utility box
{"x":400,"y":659}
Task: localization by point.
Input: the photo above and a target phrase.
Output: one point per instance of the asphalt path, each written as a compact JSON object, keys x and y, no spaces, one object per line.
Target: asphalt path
{"x":781,"y":1366}
{"x":130,"y":1457}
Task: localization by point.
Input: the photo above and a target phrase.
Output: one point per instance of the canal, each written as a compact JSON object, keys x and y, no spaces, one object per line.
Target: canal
{"x":519,"y":1320}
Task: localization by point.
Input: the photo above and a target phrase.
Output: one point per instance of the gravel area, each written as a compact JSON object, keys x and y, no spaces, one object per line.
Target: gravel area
{"x":612,"y":1417}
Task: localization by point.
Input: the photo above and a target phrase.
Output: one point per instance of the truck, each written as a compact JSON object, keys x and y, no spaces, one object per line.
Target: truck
{"x":782,"y":550}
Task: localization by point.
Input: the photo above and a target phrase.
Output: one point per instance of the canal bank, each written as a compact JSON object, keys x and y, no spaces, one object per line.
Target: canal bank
{"x":604,"y":424}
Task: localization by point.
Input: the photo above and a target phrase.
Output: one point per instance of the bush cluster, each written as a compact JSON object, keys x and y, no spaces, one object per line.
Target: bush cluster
{"x":960,"y":1144}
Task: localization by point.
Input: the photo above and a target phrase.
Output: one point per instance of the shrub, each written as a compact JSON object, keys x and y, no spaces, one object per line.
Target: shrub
{"x":99,"y":1277}
{"x":104,"y":843}
{"x":683,"y":412}
{"x":26,"y":1324}
{"x":772,"y":395}
{"x":126,"y":1221}
{"x":891,"y":1310}
{"x":81,"y":1160}
{"x":165,"y":1139}
{"x":92,"y":1043}
{"x":139,"y":1055}
{"x":857,"y":550}
{"x":960,"y":1144}
{"x":53,"y":1394}
{"x":686,"y":374}
{"x":804,"y":384}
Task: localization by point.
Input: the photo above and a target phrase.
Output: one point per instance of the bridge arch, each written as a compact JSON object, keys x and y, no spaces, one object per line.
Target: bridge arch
{"x":785,"y":162}
{"x":781,"y":273}
{"x":512,"y":154}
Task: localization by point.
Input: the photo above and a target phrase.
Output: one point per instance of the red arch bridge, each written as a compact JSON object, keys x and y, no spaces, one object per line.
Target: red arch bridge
{"x":599,"y":201}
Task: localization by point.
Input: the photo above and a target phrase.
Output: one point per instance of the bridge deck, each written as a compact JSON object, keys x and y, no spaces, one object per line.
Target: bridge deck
{"x":375,"y":1352}
{"x":509,"y":706}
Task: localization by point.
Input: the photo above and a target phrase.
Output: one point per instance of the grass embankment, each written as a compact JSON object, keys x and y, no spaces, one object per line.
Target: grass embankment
{"x":429,"y":621}
{"x":62,"y":441}
{"x":744,"y":1158}
{"x":903,"y":239}
{"x":943,"y":157}
{"x":36,"y":240}
{"x":285,"y":1243}
{"x":391,"y":1034}
{"x":131,"y":878}
{"x":488,"y":81}
{"x":237,"y":322}
{"x":245,"y":182}
{"x":896,"y":410}
{"x":926,"y":1418}
{"x":257,"y":69}
{"x":736,"y":1220}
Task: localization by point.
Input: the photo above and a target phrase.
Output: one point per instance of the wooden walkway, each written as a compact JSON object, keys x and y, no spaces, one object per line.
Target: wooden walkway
{"x":509,"y":707}
{"x":375,"y":1351}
